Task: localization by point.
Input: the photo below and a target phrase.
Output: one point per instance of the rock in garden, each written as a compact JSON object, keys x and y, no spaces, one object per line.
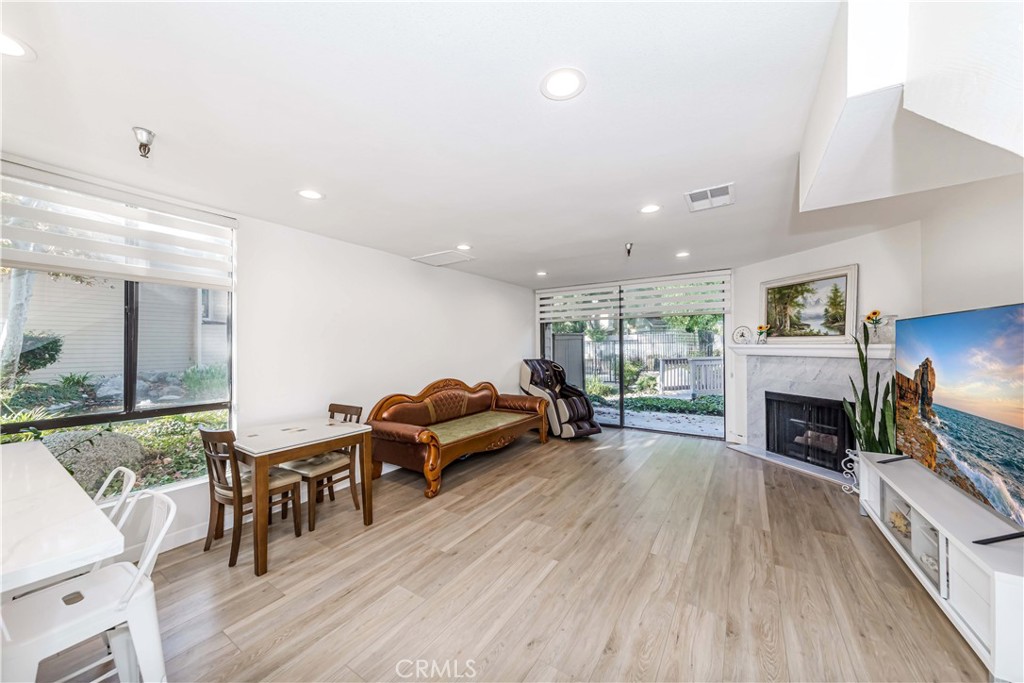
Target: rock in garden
{"x":110,"y":387}
{"x":93,"y":461}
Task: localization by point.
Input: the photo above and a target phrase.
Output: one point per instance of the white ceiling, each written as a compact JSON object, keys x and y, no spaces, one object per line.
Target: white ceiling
{"x":424,"y":126}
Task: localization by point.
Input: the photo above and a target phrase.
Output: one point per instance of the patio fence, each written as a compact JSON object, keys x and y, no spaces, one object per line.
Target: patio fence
{"x":702,"y":376}
{"x":602,"y":357}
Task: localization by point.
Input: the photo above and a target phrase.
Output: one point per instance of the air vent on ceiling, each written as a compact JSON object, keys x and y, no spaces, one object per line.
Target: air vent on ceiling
{"x":711,"y":197}
{"x":443,"y":258}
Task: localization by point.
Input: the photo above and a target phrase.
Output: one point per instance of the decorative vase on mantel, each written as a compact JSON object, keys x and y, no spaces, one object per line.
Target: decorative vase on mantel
{"x":885,"y":332}
{"x":881,"y":332}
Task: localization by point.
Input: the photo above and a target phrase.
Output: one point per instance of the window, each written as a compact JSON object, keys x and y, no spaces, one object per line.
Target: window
{"x":115,"y":327}
{"x":67,"y":334}
{"x":648,"y":353}
{"x":182,"y":360}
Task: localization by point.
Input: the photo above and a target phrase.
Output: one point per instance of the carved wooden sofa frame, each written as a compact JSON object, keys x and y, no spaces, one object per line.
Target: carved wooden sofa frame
{"x":398,"y":439}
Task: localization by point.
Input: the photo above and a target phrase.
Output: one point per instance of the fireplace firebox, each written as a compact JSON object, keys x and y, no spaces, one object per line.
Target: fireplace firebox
{"x":814,"y":430}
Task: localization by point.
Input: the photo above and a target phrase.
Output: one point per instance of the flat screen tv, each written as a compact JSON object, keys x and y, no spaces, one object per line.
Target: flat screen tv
{"x":960,"y":401}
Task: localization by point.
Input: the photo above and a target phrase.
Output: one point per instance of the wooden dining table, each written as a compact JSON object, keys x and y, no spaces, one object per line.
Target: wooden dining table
{"x":263,"y":446}
{"x":48,"y":524}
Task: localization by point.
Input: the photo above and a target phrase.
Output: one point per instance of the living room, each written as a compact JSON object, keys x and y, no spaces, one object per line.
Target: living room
{"x":370,"y":205}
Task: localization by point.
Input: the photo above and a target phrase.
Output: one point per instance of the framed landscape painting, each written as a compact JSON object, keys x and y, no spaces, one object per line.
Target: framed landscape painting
{"x":815,"y":307}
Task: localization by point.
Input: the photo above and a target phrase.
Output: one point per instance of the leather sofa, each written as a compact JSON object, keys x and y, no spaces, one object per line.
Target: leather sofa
{"x":570,"y":412}
{"x":447,"y":420}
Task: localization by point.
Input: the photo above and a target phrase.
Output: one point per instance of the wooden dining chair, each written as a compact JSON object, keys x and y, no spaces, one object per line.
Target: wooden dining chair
{"x":322,"y":472}
{"x":230,"y":485}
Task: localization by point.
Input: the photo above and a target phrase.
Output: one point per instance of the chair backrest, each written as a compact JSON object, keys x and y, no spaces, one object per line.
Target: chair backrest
{"x":221,"y":463}
{"x":117,"y":513}
{"x":161,"y":515}
{"x":340,"y":411}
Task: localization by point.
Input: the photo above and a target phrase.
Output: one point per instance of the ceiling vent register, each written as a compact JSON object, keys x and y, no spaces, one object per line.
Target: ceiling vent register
{"x":711,"y":197}
{"x":443,"y":258}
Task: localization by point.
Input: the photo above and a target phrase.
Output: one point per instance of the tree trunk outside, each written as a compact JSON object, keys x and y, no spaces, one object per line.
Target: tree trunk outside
{"x":13,"y":335}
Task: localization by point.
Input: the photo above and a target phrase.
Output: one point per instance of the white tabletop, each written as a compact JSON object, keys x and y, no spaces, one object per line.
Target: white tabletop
{"x":49,"y":524}
{"x":264,"y":439}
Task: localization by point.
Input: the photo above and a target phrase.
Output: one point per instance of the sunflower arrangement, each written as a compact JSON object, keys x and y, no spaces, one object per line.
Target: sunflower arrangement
{"x":762,"y":332}
{"x":874,"y":318}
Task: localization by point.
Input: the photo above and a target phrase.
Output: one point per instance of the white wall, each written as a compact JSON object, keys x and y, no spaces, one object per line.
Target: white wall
{"x":965,"y":70}
{"x":889,"y":279}
{"x":972,"y":247}
{"x":320,"y":320}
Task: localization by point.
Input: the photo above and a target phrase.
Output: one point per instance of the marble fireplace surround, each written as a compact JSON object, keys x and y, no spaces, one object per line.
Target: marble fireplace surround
{"x":821,"y":371}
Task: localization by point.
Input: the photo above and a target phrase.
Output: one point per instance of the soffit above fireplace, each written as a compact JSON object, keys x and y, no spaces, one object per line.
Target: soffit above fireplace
{"x":820,"y":350}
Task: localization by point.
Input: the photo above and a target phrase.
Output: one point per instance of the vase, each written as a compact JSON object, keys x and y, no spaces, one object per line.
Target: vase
{"x":886,"y":330}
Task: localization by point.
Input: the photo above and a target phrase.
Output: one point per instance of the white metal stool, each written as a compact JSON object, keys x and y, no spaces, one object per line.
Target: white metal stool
{"x":44,"y":623}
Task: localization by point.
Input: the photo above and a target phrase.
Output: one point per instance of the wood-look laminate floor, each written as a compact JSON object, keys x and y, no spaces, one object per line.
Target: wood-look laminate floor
{"x":631,"y":556}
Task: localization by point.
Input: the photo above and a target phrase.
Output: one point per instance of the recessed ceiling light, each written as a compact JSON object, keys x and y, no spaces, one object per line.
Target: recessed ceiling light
{"x":463,"y":247}
{"x":650,"y":208}
{"x":541,"y":273}
{"x":310,"y":194}
{"x":12,"y":47}
{"x":563,"y":84}
{"x":682,"y":254}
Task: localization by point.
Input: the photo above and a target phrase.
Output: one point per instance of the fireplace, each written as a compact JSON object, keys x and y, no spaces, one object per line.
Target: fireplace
{"x":814,"y":430}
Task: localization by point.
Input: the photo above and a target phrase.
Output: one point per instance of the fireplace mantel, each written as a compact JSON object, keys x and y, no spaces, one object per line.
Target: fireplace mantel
{"x":811,"y":350}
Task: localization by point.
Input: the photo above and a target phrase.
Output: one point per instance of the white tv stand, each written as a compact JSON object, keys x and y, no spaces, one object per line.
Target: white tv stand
{"x":979,"y":587}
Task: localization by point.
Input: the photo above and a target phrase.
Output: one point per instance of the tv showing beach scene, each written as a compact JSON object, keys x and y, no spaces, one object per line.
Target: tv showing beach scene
{"x":960,"y":401}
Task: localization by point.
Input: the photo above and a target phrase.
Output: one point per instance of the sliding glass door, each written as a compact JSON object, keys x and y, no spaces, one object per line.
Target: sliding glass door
{"x":673,"y":374}
{"x":589,"y":352}
{"x":649,"y":354}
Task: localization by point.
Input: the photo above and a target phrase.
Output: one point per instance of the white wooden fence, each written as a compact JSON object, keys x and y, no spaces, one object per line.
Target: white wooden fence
{"x":702,"y":376}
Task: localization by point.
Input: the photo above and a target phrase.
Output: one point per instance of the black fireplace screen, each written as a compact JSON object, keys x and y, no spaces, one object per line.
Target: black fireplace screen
{"x":814,"y":430}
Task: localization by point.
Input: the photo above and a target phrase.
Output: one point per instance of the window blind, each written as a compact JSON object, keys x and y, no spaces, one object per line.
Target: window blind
{"x":584,"y":303}
{"x":61,"y":224}
{"x":693,"y":294}
{"x":684,"y":295}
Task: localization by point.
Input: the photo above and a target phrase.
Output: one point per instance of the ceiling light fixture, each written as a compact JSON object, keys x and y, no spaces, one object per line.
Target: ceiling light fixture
{"x":310,"y":194}
{"x":650,"y":208}
{"x":563,"y":84}
{"x":541,"y":273}
{"x":145,"y":137}
{"x":463,"y":247}
{"x":12,"y":47}
{"x":682,"y":254}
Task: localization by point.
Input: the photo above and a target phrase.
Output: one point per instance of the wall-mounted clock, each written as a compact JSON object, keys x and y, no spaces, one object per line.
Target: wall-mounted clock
{"x":742,"y":335}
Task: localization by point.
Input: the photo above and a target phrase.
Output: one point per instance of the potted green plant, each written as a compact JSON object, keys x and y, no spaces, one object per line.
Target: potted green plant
{"x":873,"y":422}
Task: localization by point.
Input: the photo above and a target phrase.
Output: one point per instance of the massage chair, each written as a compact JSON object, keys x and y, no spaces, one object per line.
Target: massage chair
{"x":570,"y":413}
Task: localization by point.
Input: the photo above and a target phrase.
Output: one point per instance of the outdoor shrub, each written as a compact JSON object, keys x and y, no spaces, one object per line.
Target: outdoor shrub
{"x":647,"y":384}
{"x":171,"y":446}
{"x":39,"y":350}
{"x":596,"y":387}
{"x":702,"y":405}
{"x":206,"y":381}
{"x":17,"y":416}
{"x":25,"y":397}
{"x":631,"y":370}
{"x":75,"y":380}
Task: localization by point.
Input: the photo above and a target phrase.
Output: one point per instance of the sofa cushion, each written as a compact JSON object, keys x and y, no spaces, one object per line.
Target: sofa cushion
{"x":471,"y":425}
